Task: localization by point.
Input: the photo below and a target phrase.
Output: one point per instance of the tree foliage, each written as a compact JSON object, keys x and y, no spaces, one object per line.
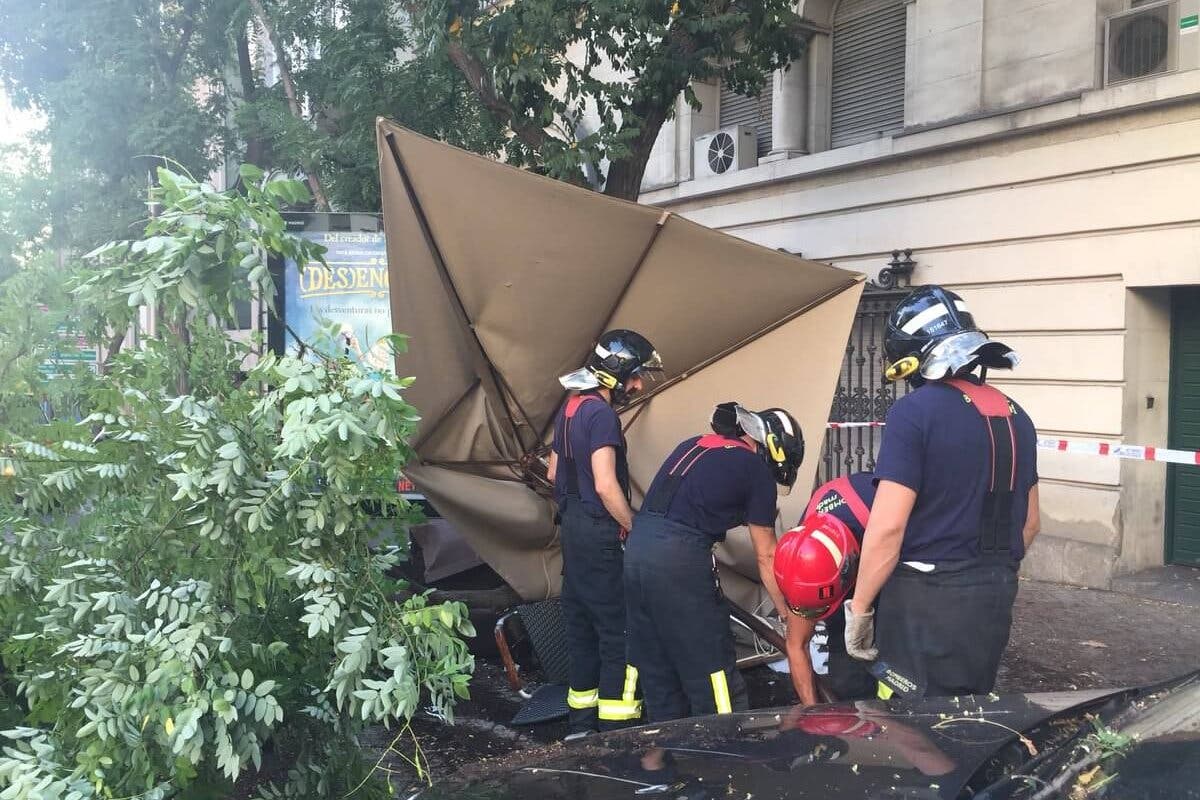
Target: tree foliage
{"x":24,"y":206}
{"x":581,"y":83}
{"x":192,"y":582}
{"x":35,"y":334}
{"x":117,"y":80}
{"x":353,"y":60}
{"x":121,"y":80}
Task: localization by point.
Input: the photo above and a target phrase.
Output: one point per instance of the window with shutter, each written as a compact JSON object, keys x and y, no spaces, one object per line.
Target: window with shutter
{"x":868,"y":70}
{"x":738,"y":109}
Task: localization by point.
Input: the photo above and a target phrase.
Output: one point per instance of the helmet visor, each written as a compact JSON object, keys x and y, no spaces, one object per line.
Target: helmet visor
{"x":651,"y":368}
{"x":954,"y":354}
{"x":580,"y":380}
{"x":753,"y":424}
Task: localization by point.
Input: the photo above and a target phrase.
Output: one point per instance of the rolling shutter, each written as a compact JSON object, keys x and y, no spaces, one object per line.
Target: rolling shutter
{"x":1183,"y":482}
{"x":868,"y":70}
{"x":738,"y":109}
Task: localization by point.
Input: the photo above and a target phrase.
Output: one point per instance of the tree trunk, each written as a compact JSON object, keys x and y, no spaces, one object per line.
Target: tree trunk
{"x":625,"y":176}
{"x":289,"y":89}
{"x":255,"y":147}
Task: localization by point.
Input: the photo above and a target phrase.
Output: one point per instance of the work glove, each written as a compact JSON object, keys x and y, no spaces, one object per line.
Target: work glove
{"x":860,"y":634}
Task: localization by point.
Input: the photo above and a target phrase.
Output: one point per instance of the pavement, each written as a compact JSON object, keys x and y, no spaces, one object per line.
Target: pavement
{"x":1067,"y":637}
{"x":1170,"y":584}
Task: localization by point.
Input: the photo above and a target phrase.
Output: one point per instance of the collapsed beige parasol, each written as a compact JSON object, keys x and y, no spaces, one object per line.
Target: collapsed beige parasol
{"x":504,"y":280}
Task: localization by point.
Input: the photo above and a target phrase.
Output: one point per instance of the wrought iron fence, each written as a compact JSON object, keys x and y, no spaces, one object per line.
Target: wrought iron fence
{"x":862,"y":395}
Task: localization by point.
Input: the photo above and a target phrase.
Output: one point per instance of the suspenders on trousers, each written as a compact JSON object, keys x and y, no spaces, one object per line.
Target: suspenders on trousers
{"x":679,"y":636}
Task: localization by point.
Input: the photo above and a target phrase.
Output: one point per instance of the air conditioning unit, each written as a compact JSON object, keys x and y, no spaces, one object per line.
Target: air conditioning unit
{"x":725,"y":150}
{"x":1141,"y":42}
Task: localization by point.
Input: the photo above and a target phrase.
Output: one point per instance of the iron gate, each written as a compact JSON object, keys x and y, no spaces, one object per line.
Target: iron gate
{"x":862,"y":395}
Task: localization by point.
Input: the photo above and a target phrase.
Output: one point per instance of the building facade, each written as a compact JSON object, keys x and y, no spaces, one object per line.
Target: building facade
{"x":1041,"y":158}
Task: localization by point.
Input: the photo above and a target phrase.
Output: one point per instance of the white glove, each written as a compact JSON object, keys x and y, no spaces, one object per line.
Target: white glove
{"x":860,"y":634}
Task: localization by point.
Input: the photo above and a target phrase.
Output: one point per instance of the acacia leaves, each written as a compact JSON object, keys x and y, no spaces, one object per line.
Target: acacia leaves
{"x":186,"y":577}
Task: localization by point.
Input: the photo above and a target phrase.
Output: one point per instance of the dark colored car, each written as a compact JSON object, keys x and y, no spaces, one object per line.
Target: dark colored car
{"x":1141,"y":744}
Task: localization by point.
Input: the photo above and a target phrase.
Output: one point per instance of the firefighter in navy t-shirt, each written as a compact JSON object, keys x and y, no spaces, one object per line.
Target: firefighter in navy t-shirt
{"x":816,"y":564}
{"x":956,"y":507}
{"x":679,"y":637}
{"x":591,"y":483}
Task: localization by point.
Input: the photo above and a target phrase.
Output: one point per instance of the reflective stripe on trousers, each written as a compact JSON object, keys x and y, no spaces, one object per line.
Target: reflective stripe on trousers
{"x":629,"y":706}
{"x":586,"y":698}
{"x":721,"y":692}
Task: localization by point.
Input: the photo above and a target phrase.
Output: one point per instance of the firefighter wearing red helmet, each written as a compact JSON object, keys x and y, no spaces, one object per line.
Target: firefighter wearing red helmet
{"x":955,"y":510}
{"x":816,"y":564}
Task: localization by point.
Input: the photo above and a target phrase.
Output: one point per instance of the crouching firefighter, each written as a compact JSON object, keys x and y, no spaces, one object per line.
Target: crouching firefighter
{"x":591,"y":483}
{"x":816,"y":565}
{"x":679,"y":637}
{"x":955,"y":508}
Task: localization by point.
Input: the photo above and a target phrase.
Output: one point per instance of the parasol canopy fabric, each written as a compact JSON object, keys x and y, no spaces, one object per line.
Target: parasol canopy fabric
{"x":504,"y":280}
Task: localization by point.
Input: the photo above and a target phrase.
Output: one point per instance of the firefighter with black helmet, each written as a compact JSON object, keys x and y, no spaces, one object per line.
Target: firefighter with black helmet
{"x":590,"y":472}
{"x":680,"y":643}
{"x":955,"y":509}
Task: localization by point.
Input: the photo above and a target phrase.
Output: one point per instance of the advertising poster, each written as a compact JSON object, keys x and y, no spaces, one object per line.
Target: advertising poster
{"x":352,"y":291}
{"x":72,"y":350}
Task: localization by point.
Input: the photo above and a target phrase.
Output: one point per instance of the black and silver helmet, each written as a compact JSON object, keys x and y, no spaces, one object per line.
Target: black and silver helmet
{"x":617,"y":357}
{"x":778,"y":435}
{"x":931,"y":335}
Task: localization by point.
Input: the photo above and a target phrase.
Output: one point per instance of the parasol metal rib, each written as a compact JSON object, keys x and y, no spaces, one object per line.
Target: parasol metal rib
{"x":458,"y":466}
{"x":448,"y":283}
{"x":637,"y":267}
{"x":636,"y":413}
{"x":754,"y":337}
{"x":498,"y":462}
{"x":449,"y":412}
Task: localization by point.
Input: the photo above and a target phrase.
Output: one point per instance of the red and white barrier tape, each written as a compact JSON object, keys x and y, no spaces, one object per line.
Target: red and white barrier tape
{"x":1133,"y":452}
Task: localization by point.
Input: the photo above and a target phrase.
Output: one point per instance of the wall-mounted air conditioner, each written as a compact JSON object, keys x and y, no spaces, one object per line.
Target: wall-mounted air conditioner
{"x":1141,"y":42}
{"x":725,"y":150}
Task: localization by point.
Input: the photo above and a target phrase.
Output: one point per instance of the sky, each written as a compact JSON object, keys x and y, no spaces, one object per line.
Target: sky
{"x":16,"y":125}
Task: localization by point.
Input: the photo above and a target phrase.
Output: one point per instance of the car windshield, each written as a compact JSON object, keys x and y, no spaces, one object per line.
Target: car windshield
{"x":1139,"y":746}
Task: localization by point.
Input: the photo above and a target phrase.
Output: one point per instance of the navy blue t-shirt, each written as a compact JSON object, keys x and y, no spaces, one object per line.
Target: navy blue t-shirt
{"x":725,"y":488}
{"x":829,"y":499}
{"x":938,"y":445}
{"x":595,"y":425}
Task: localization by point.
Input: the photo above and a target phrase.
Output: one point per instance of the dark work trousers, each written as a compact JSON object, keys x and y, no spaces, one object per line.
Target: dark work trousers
{"x":679,"y":636}
{"x":947,"y":629}
{"x":849,"y":678}
{"x":602,"y":695}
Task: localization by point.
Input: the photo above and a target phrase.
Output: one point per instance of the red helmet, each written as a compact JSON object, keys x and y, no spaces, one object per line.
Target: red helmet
{"x":815,"y":566}
{"x":837,"y":723}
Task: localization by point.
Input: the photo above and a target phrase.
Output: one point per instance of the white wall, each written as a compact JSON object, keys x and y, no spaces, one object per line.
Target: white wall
{"x":1047,"y":235}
